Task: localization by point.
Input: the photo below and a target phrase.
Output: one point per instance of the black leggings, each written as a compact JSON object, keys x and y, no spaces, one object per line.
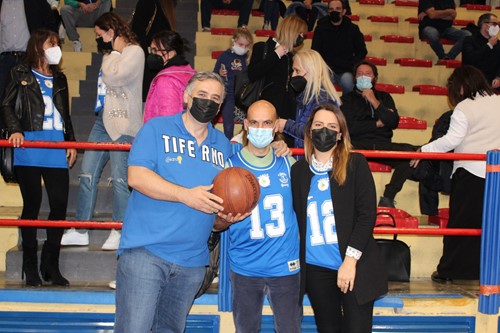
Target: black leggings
{"x":334,"y":311}
{"x":56,"y":182}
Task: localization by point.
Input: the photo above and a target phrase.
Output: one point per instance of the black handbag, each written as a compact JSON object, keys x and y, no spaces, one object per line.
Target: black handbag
{"x":212,"y":270}
{"x":7,"y":161}
{"x":396,"y":255}
{"x":245,"y":91}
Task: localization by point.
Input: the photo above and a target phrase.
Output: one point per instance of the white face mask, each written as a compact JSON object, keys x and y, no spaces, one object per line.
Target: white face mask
{"x":53,"y":55}
{"x":493,"y":30}
{"x":239,"y":50}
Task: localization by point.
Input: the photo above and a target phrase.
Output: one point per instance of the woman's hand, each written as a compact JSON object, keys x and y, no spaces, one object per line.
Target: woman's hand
{"x":414,"y":163}
{"x":280,"y":148}
{"x":347,"y":274}
{"x":281,"y":51}
{"x":71,"y":156}
{"x":280,"y":125}
{"x":119,"y":44}
{"x":17,"y":139}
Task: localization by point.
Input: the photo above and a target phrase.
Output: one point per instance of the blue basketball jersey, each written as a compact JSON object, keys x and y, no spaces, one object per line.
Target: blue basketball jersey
{"x":322,"y":247}
{"x":52,"y":131}
{"x":266,"y":244}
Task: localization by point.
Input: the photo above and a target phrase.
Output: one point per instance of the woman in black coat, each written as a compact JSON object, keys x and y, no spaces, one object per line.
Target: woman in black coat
{"x":335,"y":202}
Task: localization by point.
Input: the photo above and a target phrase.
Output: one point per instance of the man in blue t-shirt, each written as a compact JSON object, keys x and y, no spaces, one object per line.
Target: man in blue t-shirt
{"x":264,"y":248}
{"x":170,"y":213}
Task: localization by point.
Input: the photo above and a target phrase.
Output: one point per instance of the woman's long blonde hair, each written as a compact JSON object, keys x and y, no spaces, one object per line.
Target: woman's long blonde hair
{"x":319,"y":76}
{"x":343,"y":148}
{"x":288,"y":29}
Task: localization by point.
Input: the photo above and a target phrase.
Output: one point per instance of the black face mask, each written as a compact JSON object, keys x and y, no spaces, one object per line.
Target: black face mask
{"x":204,"y":110}
{"x":102,"y":46}
{"x":298,"y":83}
{"x":299,"y":41}
{"x":155,"y":62}
{"x":335,"y":17}
{"x":324,"y":139}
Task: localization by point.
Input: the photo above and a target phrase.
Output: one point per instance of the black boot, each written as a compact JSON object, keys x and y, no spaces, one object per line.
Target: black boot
{"x":49,"y":265}
{"x":30,"y":266}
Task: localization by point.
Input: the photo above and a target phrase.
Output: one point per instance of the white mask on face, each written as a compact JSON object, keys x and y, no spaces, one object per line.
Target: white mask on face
{"x":53,"y":55}
{"x":239,"y":50}
{"x":493,"y":30}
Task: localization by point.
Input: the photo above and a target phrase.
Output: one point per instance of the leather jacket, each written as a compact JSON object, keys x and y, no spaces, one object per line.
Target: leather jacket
{"x":23,"y":107}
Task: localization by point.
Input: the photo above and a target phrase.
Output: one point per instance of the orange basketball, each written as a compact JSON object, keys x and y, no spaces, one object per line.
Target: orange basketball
{"x":239,"y":189}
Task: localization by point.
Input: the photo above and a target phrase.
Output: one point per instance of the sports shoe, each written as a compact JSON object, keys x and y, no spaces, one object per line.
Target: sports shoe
{"x":72,"y":237}
{"x":77,"y":46}
{"x":386,"y":202}
{"x":112,"y":284}
{"x":113,"y":241}
{"x":266,"y":26}
{"x":206,"y":29}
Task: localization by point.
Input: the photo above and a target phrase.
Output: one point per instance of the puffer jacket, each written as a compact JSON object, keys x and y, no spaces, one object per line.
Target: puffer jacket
{"x":23,"y":107}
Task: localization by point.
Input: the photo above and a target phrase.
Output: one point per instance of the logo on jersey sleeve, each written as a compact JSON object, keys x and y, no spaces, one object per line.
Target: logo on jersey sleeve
{"x":284,"y":180}
{"x":323,"y":184}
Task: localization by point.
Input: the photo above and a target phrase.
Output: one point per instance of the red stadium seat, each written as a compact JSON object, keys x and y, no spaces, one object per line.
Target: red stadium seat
{"x":309,"y":35}
{"x":428,"y":89}
{"x":377,"y":61}
{"x":231,"y":12}
{"x":353,"y":17}
{"x":462,"y":22}
{"x":216,"y":54}
{"x":390,"y":88}
{"x":372,"y":2}
{"x":441,"y":219}
{"x":412,"y":20}
{"x":406,"y":3}
{"x":368,"y":38}
{"x":384,"y":19}
{"x":397,"y":39}
{"x":222,"y":31}
{"x":484,"y":8}
{"x":337,"y":87}
{"x":411,"y":123}
{"x":444,"y":41}
{"x":264,"y":33}
{"x":379,"y":167}
{"x":450,"y":63}
{"x":412,"y":62}
{"x":402,"y":218}
{"x":257,"y":13}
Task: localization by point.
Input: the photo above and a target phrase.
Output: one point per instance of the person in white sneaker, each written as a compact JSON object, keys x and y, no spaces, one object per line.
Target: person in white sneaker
{"x":119,"y":117}
{"x":82,"y":13}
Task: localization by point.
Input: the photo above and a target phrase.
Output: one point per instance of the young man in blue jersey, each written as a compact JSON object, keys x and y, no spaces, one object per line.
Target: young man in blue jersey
{"x":264,"y":248}
{"x":170,"y":213}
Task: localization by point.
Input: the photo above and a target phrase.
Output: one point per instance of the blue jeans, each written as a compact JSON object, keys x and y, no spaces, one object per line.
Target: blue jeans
{"x":248,"y":300}
{"x":433,"y":36}
{"x":345,"y":80}
{"x":153,"y":294}
{"x":93,"y":163}
{"x":244,"y":6}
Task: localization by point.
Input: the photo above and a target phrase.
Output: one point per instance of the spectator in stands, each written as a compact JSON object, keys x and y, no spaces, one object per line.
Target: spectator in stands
{"x":228,"y":65}
{"x":17,"y":20}
{"x":273,"y":60}
{"x":54,"y":7}
{"x":334,"y":199}
{"x":308,"y":10}
{"x":118,"y":121}
{"x":149,"y":18}
{"x":473,"y":129}
{"x":206,"y":6}
{"x":28,"y":115}
{"x":272,"y":9}
{"x":167,"y":55}
{"x":82,"y":13}
{"x":435,"y":22}
{"x":340,"y":43}
{"x":482,"y":50}
{"x":371,"y":117}
{"x":264,"y":260}
{"x":171,"y":212}
{"x":311,"y":81}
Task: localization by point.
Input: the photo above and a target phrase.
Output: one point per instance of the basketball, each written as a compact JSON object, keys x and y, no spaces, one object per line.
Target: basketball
{"x":239,"y":189}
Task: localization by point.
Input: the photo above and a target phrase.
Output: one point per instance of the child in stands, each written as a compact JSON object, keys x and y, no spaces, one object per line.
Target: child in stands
{"x":230,"y":63}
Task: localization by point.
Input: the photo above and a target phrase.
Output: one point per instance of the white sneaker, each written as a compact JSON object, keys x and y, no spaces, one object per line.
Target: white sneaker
{"x":73,"y":237}
{"x":113,"y":241}
{"x":77,"y":46}
{"x":62,"y":33}
{"x":112,"y":284}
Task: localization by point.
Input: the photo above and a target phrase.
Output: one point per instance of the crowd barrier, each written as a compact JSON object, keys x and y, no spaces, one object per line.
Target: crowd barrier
{"x":489,"y":300}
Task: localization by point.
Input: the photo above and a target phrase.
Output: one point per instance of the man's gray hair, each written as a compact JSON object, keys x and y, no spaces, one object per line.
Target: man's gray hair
{"x":206,"y":75}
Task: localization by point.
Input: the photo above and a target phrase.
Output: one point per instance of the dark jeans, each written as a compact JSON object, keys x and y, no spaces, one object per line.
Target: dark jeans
{"x":334,"y":311}
{"x":57,"y":186}
{"x":244,"y":6}
{"x":402,"y":168}
{"x":271,"y":12}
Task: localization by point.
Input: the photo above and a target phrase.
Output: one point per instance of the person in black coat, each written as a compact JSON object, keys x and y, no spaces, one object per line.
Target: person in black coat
{"x":276,"y":66}
{"x":335,"y":202}
{"x":482,"y":50}
{"x":340,"y":43}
